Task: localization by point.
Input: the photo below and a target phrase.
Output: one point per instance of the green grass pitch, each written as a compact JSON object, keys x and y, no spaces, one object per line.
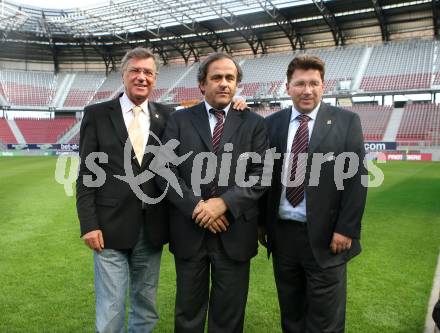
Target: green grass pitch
{"x":46,"y":276}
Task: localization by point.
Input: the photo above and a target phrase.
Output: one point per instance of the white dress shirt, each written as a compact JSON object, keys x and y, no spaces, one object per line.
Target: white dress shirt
{"x":286,"y":211}
{"x":212,"y":119}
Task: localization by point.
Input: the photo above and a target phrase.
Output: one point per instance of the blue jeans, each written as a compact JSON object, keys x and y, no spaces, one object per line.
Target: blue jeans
{"x":119,"y":270}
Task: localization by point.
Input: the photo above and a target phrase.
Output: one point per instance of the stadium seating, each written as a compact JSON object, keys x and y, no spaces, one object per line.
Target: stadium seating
{"x":44,"y":130}
{"x":111,"y":85}
{"x":6,"y":135}
{"x":410,"y":68}
{"x":179,"y":81}
{"x":84,"y":87}
{"x":415,"y":65}
{"x":27,"y":88}
{"x":374,"y":120}
{"x":266,"y":110}
{"x":75,"y":139}
{"x":2,"y":93}
{"x":341,"y":64}
{"x":420,"y":122}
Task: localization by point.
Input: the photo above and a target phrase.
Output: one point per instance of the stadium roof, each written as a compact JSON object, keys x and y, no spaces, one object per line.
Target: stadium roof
{"x":190,"y":29}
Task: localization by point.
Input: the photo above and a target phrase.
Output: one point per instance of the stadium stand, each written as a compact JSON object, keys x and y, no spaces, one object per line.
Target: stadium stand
{"x":185,"y":88}
{"x":2,"y":93}
{"x":111,"y":85}
{"x":75,"y":139}
{"x":84,"y":87}
{"x":27,"y":88}
{"x":341,"y":63}
{"x":417,"y":67}
{"x":263,"y":77}
{"x":6,"y":134}
{"x":374,"y":120}
{"x":411,"y":67}
{"x":265,"y":111}
{"x":44,"y":130}
{"x":420,"y":122}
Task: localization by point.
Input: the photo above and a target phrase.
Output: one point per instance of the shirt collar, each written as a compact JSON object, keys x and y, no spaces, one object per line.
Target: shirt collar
{"x":209,"y":107}
{"x":127,"y":105}
{"x":312,"y":114}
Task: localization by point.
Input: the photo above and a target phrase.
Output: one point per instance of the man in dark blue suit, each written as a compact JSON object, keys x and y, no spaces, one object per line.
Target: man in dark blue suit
{"x":213,"y":230}
{"x":313,"y":213}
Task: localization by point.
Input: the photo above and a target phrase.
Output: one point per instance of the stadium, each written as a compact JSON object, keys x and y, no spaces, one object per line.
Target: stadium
{"x":382,"y":62}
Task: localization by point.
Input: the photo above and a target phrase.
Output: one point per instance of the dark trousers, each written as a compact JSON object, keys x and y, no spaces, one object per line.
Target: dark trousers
{"x":312,"y":299}
{"x":226,"y":302}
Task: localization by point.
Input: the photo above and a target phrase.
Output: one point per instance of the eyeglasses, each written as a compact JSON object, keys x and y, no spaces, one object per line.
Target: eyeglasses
{"x":136,"y":71}
{"x":303,"y":84}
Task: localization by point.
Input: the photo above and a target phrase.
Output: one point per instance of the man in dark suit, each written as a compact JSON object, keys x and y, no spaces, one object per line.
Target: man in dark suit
{"x":125,"y":232}
{"x":213,"y":231}
{"x":312,"y":226}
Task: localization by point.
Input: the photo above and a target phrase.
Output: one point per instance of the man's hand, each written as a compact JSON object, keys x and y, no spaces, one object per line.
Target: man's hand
{"x":209,"y":211}
{"x":239,"y":103}
{"x":94,"y":240}
{"x":340,"y":243}
{"x":262,"y":236}
{"x":219,"y":225}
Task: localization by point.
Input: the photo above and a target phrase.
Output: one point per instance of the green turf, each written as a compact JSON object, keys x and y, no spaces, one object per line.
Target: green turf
{"x":46,"y":279}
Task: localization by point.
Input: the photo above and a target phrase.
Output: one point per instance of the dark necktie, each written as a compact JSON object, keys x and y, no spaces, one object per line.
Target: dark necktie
{"x":216,"y":137}
{"x":218,"y":129}
{"x":295,"y":194}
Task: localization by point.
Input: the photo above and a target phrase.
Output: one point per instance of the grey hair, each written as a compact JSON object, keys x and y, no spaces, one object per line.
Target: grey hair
{"x":138,"y":53}
{"x":203,"y":69}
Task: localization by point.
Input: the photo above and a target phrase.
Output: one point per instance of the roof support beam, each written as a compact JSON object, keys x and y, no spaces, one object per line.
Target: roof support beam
{"x":283,"y":23}
{"x":435,"y":17}
{"x":382,"y":21}
{"x":245,"y":31}
{"x":184,"y":48}
{"x":194,"y":28}
{"x":330,"y":19}
{"x":47,"y":33}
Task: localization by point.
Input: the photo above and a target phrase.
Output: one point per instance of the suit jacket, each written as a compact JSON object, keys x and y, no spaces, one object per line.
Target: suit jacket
{"x":113,"y":207}
{"x":328,"y":209}
{"x":247,"y":133}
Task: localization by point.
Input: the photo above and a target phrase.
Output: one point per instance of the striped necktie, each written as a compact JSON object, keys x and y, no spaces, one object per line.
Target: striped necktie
{"x":216,"y":137}
{"x":218,"y":129}
{"x":300,"y":144}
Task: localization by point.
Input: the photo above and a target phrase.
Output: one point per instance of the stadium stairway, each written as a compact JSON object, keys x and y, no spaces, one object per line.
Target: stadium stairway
{"x":393,"y":125}
{"x":63,"y":90}
{"x":362,"y":68}
{"x":167,"y":95}
{"x":70,"y":134}
{"x":3,"y":100}
{"x":16,"y":131}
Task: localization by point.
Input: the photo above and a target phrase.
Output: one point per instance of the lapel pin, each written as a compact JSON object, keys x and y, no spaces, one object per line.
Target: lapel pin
{"x":156,"y":115}
{"x":329,"y":122}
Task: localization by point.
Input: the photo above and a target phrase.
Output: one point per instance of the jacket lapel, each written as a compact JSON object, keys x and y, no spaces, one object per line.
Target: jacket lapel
{"x":155,"y":124}
{"x":283,"y":129}
{"x":118,"y":120}
{"x":201,"y":124}
{"x":323,"y":123}
{"x":233,"y":121}
{"x":120,"y":128}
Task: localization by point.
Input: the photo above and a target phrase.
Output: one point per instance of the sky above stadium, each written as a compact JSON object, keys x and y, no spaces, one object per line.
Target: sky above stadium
{"x":62,"y":4}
